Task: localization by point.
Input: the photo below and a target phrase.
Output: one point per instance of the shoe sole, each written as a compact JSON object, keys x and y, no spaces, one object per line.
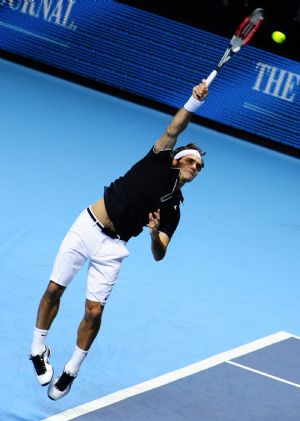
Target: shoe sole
{"x":46,"y":384}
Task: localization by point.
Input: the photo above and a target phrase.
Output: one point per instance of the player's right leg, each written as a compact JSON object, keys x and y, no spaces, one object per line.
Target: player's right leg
{"x":70,"y":258}
{"x":40,"y":352}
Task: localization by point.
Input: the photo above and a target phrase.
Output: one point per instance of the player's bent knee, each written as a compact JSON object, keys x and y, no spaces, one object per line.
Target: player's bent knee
{"x":93,"y":312}
{"x":54,"y":291}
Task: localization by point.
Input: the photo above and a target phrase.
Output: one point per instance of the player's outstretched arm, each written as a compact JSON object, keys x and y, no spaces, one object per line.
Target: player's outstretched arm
{"x":182,"y":118}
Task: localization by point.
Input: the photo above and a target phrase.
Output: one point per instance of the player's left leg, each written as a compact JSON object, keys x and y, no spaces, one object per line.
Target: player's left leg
{"x":87,"y":332}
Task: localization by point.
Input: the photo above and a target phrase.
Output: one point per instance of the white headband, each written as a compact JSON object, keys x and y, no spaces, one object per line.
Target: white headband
{"x":187,"y":152}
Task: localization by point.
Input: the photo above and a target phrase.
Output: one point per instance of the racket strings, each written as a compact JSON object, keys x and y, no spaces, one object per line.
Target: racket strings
{"x":247,"y":30}
{"x":249,"y":26}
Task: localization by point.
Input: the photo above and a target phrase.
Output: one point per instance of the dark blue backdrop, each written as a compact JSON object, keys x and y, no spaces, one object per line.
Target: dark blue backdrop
{"x":159,"y":59}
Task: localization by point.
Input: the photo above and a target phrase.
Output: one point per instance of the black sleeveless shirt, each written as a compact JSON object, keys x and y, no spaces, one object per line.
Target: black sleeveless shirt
{"x":149,"y":185}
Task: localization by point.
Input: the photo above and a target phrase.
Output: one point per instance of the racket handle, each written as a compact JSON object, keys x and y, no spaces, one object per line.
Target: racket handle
{"x":211,"y":77}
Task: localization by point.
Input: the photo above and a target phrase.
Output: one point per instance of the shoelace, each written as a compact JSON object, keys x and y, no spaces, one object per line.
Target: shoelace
{"x":39,"y":364}
{"x":64,"y":381}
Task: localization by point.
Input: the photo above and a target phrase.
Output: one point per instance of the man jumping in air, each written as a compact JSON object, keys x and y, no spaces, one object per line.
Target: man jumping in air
{"x":149,"y":194}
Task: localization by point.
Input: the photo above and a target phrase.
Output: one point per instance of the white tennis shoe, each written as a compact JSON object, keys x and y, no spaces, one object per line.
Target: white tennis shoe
{"x":43,"y":369}
{"x":61,"y":386}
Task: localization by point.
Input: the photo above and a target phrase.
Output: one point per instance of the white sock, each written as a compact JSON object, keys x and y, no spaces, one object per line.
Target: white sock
{"x":38,"y":341}
{"x":73,"y":366}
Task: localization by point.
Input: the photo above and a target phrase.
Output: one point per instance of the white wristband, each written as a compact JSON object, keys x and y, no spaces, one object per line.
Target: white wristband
{"x":193,"y":104}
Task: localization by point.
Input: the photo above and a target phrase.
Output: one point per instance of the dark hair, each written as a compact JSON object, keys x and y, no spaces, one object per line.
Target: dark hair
{"x":190,"y":146}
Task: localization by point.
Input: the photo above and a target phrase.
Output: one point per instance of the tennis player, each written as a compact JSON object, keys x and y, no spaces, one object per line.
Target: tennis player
{"x":149,"y":194}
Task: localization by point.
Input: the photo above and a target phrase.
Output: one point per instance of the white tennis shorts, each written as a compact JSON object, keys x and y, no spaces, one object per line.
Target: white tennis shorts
{"x":86,"y":242}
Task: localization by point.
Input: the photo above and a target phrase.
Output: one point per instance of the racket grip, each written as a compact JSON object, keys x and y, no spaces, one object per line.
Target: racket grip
{"x":211,"y":77}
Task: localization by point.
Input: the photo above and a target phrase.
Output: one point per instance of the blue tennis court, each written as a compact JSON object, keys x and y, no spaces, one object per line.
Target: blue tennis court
{"x":261,"y":384}
{"x":200,"y":335}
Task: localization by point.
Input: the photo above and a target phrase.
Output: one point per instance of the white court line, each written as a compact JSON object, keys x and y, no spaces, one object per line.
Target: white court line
{"x":262,"y":373}
{"x":169,"y":377}
{"x":32,"y":34}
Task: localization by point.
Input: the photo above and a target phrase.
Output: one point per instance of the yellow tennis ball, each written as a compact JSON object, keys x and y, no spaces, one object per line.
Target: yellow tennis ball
{"x":278,"y":37}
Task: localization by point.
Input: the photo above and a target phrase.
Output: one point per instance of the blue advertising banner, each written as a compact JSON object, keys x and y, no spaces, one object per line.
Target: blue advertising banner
{"x":156,"y":58}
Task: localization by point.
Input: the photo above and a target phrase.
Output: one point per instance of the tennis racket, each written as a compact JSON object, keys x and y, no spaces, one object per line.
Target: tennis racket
{"x":241,"y":37}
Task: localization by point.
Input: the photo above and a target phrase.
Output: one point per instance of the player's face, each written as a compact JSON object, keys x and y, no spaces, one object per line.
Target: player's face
{"x":189,"y":165}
